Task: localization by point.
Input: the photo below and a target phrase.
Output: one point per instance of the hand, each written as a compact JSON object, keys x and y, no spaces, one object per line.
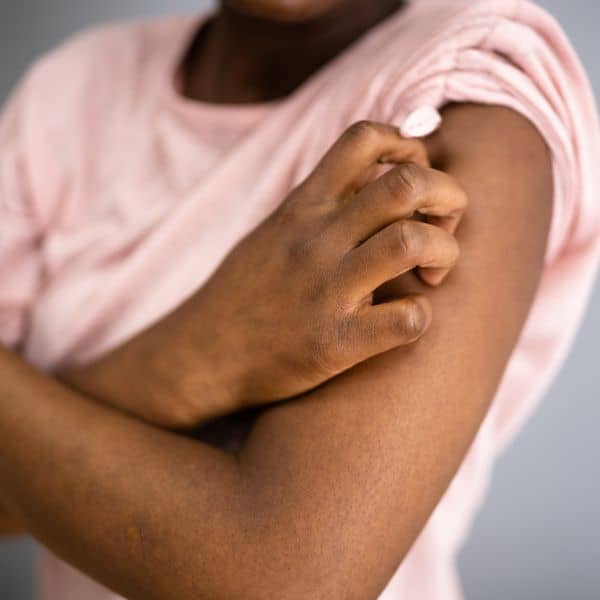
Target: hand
{"x":292,"y":305}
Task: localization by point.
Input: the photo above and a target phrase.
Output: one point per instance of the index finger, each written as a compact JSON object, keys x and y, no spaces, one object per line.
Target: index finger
{"x":362,"y":146}
{"x":398,"y":194}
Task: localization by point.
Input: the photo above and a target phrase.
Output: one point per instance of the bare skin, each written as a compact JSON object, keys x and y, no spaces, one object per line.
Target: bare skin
{"x":314,"y":336}
{"x":342,"y":237}
{"x":330,"y":490}
{"x":261,"y":50}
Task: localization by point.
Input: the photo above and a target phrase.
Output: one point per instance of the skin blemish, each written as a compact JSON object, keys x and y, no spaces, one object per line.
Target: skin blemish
{"x":134,"y":539}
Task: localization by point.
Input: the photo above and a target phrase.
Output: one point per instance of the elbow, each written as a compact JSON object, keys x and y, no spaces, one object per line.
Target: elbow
{"x":287,"y":560}
{"x":295,"y":560}
{"x":299,"y":543}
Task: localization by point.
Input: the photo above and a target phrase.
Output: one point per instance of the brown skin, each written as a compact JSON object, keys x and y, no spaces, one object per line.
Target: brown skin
{"x":317,"y":326}
{"x":241,"y":58}
{"x":335,"y":240}
{"x":259,"y":42}
{"x":330,"y":490}
{"x":9,"y":526}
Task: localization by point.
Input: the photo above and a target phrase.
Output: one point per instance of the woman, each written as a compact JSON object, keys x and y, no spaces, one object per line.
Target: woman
{"x":191,"y":227}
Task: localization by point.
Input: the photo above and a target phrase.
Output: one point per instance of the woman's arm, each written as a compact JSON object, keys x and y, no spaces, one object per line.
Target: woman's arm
{"x":8,"y":525}
{"x":247,"y":338}
{"x":330,"y":490}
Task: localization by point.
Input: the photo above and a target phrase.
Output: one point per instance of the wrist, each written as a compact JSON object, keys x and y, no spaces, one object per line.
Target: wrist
{"x":192,"y":376}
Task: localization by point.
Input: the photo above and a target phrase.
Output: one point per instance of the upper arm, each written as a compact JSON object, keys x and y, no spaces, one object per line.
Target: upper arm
{"x":355,"y":468}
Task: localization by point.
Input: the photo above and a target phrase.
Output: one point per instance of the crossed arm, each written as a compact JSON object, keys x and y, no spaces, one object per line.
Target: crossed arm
{"x":331,"y":489}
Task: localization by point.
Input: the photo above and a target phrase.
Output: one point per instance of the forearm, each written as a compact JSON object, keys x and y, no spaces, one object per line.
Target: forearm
{"x":8,"y":525}
{"x":146,"y":512}
{"x":312,"y":508}
{"x":330,"y":491}
{"x":155,"y":515}
{"x":143,"y":379}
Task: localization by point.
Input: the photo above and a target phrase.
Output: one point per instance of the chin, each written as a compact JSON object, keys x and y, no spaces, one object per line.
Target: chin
{"x":289,"y":11}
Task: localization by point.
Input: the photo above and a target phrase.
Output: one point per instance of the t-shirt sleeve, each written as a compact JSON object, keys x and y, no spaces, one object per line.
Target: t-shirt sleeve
{"x":515,"y":54}
{"x":20,"y":230}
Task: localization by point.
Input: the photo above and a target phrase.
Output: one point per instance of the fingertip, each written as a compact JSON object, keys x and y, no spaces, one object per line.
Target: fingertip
{"x":452,"y":226}
{"x":432,"y":277}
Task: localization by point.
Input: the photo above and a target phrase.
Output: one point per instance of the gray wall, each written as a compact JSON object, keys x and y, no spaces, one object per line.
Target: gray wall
{"x":539,"y":534}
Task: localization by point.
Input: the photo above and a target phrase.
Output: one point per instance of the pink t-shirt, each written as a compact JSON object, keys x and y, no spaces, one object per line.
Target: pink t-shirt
{"x":119,"y":198}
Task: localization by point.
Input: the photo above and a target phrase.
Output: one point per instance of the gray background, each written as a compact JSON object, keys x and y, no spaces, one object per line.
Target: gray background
{"x":539,"y":533}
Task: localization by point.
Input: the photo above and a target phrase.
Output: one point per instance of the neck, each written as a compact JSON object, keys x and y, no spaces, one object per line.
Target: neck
{"x":239,"y":58}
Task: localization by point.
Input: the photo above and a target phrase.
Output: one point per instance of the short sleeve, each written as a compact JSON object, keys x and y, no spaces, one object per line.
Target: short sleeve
{"x":20,"y":262}
{"x":513,"y":53}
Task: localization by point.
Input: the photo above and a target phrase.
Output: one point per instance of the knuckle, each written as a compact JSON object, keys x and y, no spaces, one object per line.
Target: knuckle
{"x":394,"y":183}
{"x":407,"y":178}
{"x":369,"y":334}
{"x":409,"y":323}
{"x":406,"y":238}
{"x":362,"y":131}
{"x":303,"y":252}
{"x":326,"y":348}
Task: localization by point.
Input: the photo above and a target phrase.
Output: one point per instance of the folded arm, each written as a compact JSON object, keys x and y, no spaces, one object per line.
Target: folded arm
{"x":331,"y":489}
{"x":8,"y":524}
